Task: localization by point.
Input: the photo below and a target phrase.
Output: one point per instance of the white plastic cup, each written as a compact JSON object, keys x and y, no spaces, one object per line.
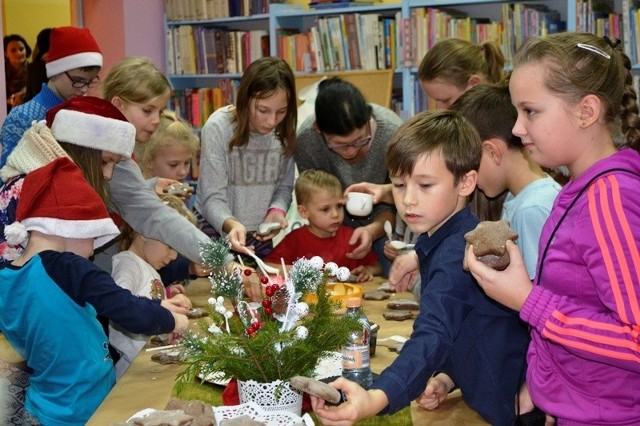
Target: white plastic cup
{"x":359,"y":203}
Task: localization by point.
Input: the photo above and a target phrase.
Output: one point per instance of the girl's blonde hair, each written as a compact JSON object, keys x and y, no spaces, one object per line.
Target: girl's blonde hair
{"x":128,"y":234}
{"x":89,"y":160}
{"x":312,"y":180}
{"x":454,"y":61}
{"x":171,"y":130}
{"x":135,"y":79}
{"x":261,"y":80}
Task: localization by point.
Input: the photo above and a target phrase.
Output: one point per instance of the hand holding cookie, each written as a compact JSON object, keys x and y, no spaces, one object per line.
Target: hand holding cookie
{"x":489,"y":241}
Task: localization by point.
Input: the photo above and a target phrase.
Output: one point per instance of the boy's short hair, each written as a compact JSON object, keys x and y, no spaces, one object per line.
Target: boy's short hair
{"x":445,"y":131}
{"x":488,"y":107}
{"x":311,"y":180}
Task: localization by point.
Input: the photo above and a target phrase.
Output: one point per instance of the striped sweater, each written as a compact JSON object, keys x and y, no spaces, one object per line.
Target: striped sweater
{"x":584,"y":312}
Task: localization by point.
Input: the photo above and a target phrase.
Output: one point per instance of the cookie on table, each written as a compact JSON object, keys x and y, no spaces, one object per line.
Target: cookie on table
{"x":316,"y":388}
{"x":375,"y":295}
{"x":162,"y":418}
{"x":404,"y":305}
{"x":397,"y":315}
{"x":243,"y":420}
{"x":489,"y":240}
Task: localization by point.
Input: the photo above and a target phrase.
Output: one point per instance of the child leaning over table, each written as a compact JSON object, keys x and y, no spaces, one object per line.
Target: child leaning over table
{"x":135,"y":268}
{"x":433,"y":161}
{"x":51,"y":294}
{"x":321,"y":203}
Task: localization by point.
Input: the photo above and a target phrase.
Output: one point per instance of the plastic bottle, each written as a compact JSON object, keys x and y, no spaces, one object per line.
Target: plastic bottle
{"x":355,"y":354}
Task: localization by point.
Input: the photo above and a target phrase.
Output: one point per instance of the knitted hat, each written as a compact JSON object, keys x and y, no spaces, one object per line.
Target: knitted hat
{"x":57,"y":200}
{"x":94,"y":123}
{"x":71,"y":48}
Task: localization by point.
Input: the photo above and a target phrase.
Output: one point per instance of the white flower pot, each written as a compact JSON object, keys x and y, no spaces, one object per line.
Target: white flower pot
{"x":273,"y":396}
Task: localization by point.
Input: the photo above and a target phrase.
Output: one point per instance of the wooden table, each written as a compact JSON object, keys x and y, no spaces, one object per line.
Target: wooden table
{"x":147,"y":384}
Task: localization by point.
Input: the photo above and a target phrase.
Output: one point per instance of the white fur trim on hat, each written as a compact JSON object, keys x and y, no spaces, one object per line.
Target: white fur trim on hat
{"x":103,"y":230}
{"x":78,"y":60}
{"x":94,"y":131}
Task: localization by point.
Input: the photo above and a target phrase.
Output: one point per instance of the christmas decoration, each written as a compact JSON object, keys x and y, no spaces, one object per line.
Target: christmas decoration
{"x":280,"y":338}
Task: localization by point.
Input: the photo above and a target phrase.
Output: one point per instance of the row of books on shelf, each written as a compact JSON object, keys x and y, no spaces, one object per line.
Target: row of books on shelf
{"x":343,"y":42}
{"x":203,"y":50}
{"x":178,"y":10}
{"x":196,"y":105}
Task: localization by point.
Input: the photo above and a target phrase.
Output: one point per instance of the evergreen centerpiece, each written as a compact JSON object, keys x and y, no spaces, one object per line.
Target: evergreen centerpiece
{"x":282,"y":338}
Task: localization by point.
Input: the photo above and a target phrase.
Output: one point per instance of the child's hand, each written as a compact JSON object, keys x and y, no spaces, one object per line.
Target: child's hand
{"x":237,"y":235}
{"x":162,"y":183}
{"x":390,"y":252}
{"x":179,"y":304}
{"x":252,"y":287}
{"x":274,"y":216}
{"x":360,"y":404}
{"x":437,"y":389}
{"x":198,"y":270}
{"x":362,"y":241}
{"x":182,"y":323}
{"x":362,"y":273}
{"x":510,"y":287}
{"x":177,"y":289}
{"x":404,"y":271}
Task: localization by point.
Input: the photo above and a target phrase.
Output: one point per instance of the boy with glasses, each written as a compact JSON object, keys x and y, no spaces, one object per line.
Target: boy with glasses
{"x":73,"y":64}
{"x":348,"y":138}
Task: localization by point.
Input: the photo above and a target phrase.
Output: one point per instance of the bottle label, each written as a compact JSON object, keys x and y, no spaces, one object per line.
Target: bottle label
{"x":355,"y":357}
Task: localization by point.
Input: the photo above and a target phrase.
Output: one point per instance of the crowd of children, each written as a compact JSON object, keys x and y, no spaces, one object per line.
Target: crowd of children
{"x":567,"y":102}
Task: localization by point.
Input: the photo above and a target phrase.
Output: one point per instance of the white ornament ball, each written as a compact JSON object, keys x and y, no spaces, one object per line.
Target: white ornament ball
{"x":317,"y":262}
{"x":214,"y":329}
{"x":343,"y":273}
{"x":228,"y":315}
{"x":332,"y":268}
{"x":302,"y":309}
{"x":302,"y":332}
{"x":220,"y":300}
{"x":211,"y":301}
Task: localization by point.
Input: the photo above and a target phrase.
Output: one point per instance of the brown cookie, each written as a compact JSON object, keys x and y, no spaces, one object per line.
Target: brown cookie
{"x":396,"y":348}
{"x":397,"y":315}
{"x":196,"y":313}
{"x":375,"y":295}
{"x":404,"y":305}
{"x":386,"y":288}
{"x":173,"y":357}
{"x":316,"y":388}
{"x":243,"y":420}
{"x":489,"y":240}
{"x":164,"y":418}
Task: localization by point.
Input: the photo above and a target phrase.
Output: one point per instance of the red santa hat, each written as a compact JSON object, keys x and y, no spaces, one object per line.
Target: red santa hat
{"x":72,"y":48}
{"x":94,"y":123}
{"x":57,"y":200}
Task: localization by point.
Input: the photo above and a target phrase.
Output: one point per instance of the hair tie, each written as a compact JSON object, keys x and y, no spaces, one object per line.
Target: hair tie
{"x":613,"y":43}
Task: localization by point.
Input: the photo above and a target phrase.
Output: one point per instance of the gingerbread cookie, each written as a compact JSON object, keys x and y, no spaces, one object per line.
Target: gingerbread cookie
{"x":397,"y":315}
{"x":164,"y":418}
{"x":375,"y":295}
{"x":489,"y":241}
{"x":316,"y":388}
{"x":404,"y":305}
{"x":196,"y":313}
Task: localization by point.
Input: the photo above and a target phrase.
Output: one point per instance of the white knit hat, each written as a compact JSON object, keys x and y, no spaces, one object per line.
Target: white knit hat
{"x":94,"y":123}
{"x":71,"y":48}
{"x":57,"y":200}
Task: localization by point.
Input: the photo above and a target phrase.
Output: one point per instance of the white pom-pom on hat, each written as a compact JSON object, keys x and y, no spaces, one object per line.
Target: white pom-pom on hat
{"x":16,"y":234}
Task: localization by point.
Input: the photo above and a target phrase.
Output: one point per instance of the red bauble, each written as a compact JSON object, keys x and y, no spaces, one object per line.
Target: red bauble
{"x":268,"y":311}
{"x":264,"y":280}
{"x":266,"y":303}
{"x":248,"y":272}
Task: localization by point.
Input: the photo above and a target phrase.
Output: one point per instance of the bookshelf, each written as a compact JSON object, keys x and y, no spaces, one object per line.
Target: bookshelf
{"x":395,"y":43}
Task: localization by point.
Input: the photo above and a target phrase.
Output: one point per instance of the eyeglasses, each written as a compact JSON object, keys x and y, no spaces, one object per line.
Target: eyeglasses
{"x":79,"y":83}
{"x":355,"y":145}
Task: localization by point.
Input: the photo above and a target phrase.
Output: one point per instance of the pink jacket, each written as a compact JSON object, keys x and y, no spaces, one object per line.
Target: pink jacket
{"x":584,"y":312}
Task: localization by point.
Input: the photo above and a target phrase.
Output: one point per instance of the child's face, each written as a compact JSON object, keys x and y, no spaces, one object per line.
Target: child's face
{"x":171,"y":161}
{"x":428,"y":198}
{"x":267,"y":113}
{"x":442,"y":92}
{"x":145,"y":117}
{"x":16,"y":53}
{"x":156,"y":253}
{"x":546,"y":124}
{"x":324,"y":211}
{"x":109,"y":161}
{"x":63,"y":83}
